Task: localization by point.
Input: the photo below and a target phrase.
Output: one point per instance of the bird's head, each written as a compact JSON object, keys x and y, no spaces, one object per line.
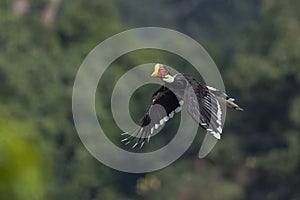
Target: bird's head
{"x":162,"y":71}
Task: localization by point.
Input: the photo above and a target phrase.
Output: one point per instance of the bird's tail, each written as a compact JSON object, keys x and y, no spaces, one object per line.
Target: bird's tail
{"x":230,"y":103}
{"x":224,"y":97}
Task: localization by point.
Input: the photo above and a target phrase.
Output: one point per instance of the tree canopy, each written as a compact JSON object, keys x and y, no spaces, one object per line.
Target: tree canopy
{"x":255,"y":45}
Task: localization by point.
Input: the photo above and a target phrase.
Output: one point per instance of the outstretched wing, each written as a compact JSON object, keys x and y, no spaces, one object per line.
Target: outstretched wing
{"x":163,"y":106}
{"x":204,"y":108}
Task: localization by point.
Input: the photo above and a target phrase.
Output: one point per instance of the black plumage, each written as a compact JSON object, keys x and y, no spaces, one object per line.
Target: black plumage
{"x":162,"y":107}
{"x":202,"y":103}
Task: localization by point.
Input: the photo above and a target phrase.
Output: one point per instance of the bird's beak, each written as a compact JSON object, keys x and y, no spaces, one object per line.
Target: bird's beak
{"x":155,"y":73}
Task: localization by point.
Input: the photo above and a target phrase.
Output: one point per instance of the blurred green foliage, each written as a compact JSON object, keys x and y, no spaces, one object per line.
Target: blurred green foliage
{"x":23,"y":173}
{"x":255,"y":45}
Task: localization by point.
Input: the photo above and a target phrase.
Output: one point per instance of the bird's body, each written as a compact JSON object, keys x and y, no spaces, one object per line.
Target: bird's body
{"x":202,"y":103}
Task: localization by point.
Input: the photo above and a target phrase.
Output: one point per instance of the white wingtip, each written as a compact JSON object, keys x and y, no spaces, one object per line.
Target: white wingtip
{"x":178,"y":109}
{"x":171,"y":115}
{"x":217,"y":135}
{"x":126,"y":133}
{"x":142,"y":145}
{"x":211,"y":88}
{"x":219,"y":129}
{"x":231,"y":99}
{"x":156,"y":126}
{"x":161,"y":121}
{"x":166,"y":118}
{"x":134,"y":145}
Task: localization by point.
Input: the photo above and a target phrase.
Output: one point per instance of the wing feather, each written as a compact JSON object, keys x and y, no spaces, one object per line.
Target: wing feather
{"x":204,"y":108}
{"x":164,"y":103}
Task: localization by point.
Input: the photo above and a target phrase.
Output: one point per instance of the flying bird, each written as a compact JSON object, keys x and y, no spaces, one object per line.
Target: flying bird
{"x":202,"y":103}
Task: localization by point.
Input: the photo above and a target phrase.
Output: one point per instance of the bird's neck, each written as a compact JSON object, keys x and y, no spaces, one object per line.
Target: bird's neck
{"x":169,"y":79}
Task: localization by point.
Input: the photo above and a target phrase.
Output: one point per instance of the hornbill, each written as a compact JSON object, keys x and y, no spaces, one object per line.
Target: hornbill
{"x":202,"y":103}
